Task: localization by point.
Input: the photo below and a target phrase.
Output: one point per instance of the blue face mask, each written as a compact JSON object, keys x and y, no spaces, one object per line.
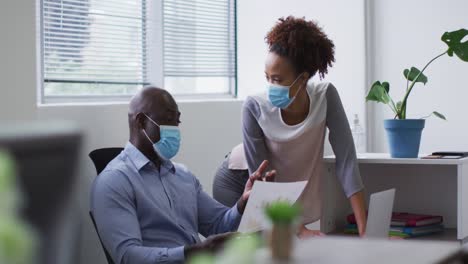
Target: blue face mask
{"x":279,"y":94}
{"x":169,"y":142}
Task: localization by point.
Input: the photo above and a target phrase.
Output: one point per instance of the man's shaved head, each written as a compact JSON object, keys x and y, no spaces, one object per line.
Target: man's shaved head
{"x":147,"y":99}
{"x":151,"y":103}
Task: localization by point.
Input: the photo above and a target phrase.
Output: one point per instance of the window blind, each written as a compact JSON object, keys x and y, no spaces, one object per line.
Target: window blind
{"x":94,"y":41}
{"x":199,"y":38}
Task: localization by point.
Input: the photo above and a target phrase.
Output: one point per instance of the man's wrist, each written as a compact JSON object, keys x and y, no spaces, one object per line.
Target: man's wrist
{"x":241,"y":205}
{"x":176,"y":253}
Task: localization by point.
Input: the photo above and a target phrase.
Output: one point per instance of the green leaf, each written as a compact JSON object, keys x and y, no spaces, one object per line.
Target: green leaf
{"x":379,"y":93}
{"x":202,"y":258}
{"x":386,"y":86}
{"x":453,"y":40}
{"x":282,"y":212}
{"x":7,"y":174}
{"x":413,"y":73}
{"x":439,"y":115}
{"x":240,"y":249}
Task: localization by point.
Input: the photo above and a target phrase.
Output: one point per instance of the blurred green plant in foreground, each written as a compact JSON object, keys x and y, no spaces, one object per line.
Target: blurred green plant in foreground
{"x":16,"y":237}
{"x":240,"y":249}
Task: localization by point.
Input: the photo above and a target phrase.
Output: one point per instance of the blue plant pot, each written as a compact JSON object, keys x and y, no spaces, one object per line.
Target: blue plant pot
{"x":404,"y":137}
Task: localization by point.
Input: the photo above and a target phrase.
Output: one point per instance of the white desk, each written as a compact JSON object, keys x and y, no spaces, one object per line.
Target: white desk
{"x":438,"y":187}
{"x":333,"y":250}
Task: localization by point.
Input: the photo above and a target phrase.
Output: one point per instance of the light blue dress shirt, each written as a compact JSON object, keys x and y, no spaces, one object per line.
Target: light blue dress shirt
{"x":147,"y":216}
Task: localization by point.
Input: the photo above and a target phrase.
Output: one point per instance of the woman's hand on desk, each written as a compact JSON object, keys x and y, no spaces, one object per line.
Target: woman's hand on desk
{"x":359,"y":208}
{"x":304,"y":233}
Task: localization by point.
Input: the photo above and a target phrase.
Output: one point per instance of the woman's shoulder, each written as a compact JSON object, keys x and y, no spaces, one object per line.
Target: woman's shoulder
{"x":324,"y":92}
{"x":251,"y":102}
{"x":257,"y":100}
{"x":320,"y":88}
{"x":256,"y":104}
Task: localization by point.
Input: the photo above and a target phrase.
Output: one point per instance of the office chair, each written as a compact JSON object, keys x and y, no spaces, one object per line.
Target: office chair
{"x":101,"y":157}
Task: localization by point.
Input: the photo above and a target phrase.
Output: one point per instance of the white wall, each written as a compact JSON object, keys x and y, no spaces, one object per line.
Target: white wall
{"x":17,"y":60}
{"x":405,"y":34}
{"x":209,"y":129}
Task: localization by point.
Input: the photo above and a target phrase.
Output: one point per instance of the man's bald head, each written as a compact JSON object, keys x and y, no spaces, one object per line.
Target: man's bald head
{"x":149,"y":99}
{"x":156,"y":103}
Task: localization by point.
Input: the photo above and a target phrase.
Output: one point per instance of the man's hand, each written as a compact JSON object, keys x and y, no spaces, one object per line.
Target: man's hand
{"x":211,"y":244}
{"x":258,"y":175}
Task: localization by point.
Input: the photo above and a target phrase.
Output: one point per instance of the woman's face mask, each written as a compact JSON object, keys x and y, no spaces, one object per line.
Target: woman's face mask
{"x":279,"y":94}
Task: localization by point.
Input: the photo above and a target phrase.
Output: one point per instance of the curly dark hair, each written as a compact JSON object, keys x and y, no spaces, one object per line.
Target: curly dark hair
{"x":303,"y":43}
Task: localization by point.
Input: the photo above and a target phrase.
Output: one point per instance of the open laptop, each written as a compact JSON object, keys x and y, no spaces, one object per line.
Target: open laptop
{"x":380,"y":214}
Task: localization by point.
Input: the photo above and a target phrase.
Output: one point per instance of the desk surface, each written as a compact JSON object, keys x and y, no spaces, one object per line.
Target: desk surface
{"x":384,"y":158}
{"x":362,"y":251}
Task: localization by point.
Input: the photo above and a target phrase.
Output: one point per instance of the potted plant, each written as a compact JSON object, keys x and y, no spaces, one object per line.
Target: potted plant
{"x":283,"y":215}
{"x":404,"y":135}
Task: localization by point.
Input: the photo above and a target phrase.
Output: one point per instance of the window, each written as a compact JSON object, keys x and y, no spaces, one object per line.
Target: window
{"x":199,"y":46}
{"x":108,"y":49}
{"x":93,"y":47}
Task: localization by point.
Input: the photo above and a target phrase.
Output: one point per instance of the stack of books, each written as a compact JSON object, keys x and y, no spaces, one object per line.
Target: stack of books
{"x":405,"y":225}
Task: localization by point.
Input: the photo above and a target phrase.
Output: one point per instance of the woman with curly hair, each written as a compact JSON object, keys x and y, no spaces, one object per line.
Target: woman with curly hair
{"x":287,"y":124}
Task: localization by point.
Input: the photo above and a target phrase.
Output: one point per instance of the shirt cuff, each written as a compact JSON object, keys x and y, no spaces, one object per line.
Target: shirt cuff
{"x":236,"y":212}
{"x":176,"y":254}
{"x":236,"y":217}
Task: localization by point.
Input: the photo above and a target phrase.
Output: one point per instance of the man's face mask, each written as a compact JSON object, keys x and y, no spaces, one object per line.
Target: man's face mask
{"x":169,"y":142}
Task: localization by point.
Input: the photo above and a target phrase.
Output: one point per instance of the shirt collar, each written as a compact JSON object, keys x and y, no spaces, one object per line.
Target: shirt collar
{"x":140,"y":160}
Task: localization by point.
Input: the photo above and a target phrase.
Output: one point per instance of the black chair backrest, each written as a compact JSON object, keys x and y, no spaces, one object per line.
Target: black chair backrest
{"x":100,"y":158}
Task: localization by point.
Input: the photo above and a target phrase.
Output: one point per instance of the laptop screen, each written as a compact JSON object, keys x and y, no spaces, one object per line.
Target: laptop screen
{"x":380,"y":214}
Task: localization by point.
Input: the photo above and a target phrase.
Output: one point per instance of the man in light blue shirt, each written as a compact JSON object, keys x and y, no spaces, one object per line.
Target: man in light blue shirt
{"x":150,"y":210}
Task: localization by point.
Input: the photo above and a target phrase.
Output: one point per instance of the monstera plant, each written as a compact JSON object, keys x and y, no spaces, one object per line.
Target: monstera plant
{"x":404,"y":137}
{"x":380,"y":91}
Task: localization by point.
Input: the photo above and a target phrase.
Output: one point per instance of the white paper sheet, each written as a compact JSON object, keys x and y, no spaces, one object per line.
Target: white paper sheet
{"x":263,"y":193}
